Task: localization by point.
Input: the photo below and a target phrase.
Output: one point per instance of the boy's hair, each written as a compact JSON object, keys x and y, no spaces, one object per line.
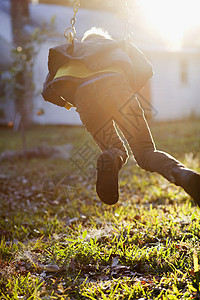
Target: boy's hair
{"x":96,"y":32}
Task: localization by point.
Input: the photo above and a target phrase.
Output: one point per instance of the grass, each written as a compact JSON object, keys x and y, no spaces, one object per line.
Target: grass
{"x":58,"y":241}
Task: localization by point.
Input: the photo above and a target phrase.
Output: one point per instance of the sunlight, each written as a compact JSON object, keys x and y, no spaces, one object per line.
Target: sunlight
{"x":171,"y":18}
{"x":35,"y":1}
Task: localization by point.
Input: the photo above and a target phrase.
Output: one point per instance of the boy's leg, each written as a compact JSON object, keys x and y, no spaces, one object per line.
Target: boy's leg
{"x":131,"y":120}
{"x":99,"y":123}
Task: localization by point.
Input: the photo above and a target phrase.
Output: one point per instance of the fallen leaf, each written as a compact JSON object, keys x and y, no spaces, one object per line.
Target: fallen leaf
{"x":115,"y":262}
{"x":51,"y":268}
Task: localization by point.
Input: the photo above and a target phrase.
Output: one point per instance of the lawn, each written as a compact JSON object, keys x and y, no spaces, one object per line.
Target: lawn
{"x":58,"y":241}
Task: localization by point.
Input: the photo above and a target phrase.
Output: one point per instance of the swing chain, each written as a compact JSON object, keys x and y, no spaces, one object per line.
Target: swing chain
{"x":70,"y":32}
{"x":127,"y":33}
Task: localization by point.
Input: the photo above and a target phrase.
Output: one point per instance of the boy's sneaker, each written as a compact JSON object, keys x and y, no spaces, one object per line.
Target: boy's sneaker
{"x":189,"y":181}
{"x":108,"y":166}
{"x":193,"y":188}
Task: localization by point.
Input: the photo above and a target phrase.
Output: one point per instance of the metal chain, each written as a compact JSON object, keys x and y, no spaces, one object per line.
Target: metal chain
{"x":127,"y":27}
{"x":127,"y":16}
{"x":70,"y":32}
{"x":127,"y":34}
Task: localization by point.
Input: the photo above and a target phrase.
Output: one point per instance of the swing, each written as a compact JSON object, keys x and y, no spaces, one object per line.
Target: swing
{"x":68,"y":68}
{"x":57,"y":58}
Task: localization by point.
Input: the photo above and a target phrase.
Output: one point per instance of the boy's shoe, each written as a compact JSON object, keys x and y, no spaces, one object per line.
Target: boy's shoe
{"x":193,"y":188}
{"x":108,"y":166}
{"x":189,"y":181}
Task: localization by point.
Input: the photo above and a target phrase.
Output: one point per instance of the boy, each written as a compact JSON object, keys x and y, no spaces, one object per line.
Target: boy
{"x":99,"y":76}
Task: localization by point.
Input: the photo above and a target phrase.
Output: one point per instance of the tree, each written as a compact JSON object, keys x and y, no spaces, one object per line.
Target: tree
{"x":19,"y":10}
{"x":22,"y":68}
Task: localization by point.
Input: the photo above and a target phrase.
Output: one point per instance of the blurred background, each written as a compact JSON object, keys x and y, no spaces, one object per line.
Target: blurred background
{"x":166,"y":31}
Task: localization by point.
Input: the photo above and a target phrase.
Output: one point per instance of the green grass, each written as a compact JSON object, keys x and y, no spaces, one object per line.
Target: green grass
{"x":60,"y":242}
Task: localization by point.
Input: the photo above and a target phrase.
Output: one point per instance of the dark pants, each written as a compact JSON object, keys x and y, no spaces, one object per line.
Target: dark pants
{"x":109,"y":103}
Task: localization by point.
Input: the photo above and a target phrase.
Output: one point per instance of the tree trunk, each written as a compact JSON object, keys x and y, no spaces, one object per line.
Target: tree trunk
{"x":19,"y":10}
{"x":20,"y":17}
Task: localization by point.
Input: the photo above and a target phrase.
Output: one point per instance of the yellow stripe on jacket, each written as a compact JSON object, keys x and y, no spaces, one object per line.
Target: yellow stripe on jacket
{"x":78,"y":69}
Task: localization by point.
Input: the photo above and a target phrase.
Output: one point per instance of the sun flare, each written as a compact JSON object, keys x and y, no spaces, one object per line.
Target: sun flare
{"x":171,"y":18}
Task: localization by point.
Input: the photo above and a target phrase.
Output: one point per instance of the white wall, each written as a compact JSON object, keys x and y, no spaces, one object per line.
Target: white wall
{"x":85,"y":19}
{"x":5,"y":27}
{"x":52,"y":114}
{"x":170,"y":97}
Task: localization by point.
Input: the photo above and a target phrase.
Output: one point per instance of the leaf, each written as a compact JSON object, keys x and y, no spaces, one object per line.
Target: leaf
{"x":84,"y":234}
{"x":195,"y":260}
{"x":51,"y":268}
{"x":115,"y":262}
{"x":137,"y":217}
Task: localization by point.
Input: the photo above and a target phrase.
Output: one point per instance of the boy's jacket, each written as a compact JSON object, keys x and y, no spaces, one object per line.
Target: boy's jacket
{"x":97,"y":54}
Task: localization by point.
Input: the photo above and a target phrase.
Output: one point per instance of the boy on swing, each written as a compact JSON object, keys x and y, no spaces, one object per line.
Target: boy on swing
{"x":100,"y":77}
